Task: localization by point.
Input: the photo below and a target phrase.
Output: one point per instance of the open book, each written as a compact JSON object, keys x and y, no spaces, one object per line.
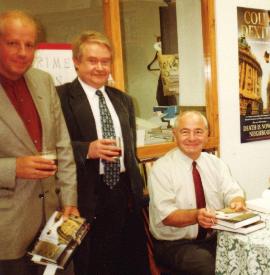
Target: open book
{"x":229,"y":218}
{"x":59,"y":239}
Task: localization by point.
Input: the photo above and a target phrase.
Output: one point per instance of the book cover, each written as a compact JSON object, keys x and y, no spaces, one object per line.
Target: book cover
{"x":59,"y":239}
{"x":227,"y":213}
{"x":242,"y":230}
{"x":236,"y":219}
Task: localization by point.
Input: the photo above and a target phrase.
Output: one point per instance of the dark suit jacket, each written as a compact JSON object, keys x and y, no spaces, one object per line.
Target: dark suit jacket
{"x":82,"y":129}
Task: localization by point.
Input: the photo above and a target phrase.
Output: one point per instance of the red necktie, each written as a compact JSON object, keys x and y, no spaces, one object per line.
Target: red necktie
{"x":200,"y":199}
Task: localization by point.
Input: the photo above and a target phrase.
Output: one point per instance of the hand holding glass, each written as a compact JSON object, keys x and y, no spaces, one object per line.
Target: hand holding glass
{"x":50,"y":155}
{"x":117,"y":144}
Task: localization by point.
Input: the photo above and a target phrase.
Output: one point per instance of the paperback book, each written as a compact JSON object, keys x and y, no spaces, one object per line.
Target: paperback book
{"x":242,"y":230}
{"x":229,"y":218}
{"x":59,"y":239}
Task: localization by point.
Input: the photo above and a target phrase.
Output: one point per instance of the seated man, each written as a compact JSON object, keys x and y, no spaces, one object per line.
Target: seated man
{"x":183,"y":186}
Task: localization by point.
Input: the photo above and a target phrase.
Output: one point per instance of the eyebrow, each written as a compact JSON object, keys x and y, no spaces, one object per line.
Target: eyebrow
{"x":192,"y":129}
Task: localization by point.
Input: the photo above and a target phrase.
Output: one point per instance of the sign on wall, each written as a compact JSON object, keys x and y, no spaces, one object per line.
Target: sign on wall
{"x":55,"y":59}
{"x":254,"y":73}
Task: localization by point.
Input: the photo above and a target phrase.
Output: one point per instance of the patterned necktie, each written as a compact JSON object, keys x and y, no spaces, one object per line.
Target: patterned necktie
{"x":200,"y":199}
{"x":111,"y":169}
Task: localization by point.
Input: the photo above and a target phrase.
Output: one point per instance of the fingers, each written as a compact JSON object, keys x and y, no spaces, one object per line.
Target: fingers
{"x":70,"y":210}
{"x":44,"y":164}
{"x":206,"y":218}
{"x":104,"y":149}
{"x":109,"y":154}
{"x":34,"y":167}
{"x":238,"y":204}
{"x":107,"y":141}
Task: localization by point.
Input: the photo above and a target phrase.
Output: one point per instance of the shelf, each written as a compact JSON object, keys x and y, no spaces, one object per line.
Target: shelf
{"x":157,"y":150}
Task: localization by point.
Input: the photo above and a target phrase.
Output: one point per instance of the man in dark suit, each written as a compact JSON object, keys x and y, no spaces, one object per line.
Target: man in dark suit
{"x":116,"y":242}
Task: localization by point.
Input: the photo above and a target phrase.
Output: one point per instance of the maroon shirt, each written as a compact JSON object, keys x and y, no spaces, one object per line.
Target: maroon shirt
{"x":19,"y":95}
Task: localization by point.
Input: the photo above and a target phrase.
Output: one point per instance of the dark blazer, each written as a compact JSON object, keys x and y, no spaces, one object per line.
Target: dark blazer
{"x":82,"y":128}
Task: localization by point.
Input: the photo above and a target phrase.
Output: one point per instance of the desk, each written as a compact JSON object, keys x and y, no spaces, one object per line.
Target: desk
{"x":244,"y":254}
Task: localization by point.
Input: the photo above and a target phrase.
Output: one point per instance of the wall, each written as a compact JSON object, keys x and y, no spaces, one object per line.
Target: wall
{"x":190,"y":44}
{"x":140,"y":29}
{"x":62,"y":19}
{"x":249,"y":162}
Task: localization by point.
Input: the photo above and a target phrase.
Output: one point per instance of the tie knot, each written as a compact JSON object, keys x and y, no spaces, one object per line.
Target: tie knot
{"x":194,"y":163}
{"x":99,"y":93}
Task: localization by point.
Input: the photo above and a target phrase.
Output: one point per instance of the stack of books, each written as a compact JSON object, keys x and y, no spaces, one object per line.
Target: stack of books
{"x":239,"y":222}
{"x":58,"y":240}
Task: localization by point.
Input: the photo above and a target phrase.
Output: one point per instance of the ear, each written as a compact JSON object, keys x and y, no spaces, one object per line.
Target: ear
{"x":174,"y":132}
{"x":76,"y":62}
{"x":206,"y":138}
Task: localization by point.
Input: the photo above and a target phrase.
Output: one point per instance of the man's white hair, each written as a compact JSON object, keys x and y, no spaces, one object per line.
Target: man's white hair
{"x":191,"y":112}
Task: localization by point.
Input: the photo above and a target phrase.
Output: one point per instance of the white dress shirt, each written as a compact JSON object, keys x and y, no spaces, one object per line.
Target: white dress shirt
{"x":171,"y":187}
{"x":94,"y":104}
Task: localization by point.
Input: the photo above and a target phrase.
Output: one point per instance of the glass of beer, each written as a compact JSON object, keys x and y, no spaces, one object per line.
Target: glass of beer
{"x":118,"y":143}
{"x":49,"y":154}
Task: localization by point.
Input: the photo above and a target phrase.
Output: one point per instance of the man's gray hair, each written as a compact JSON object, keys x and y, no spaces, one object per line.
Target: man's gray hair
{"x":89,"y":37}
{"x":191,"y":112}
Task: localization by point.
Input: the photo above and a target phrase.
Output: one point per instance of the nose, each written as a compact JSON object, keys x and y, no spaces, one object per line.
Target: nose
{"x":22,"y":50}
{"x":99,"y":65}
{"x":192,"y":135}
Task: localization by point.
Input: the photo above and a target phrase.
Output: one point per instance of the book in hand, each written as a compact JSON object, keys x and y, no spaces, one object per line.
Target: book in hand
{"x":59,"y":239}
{"x":242,"y":230}
{"x":229,"y":218}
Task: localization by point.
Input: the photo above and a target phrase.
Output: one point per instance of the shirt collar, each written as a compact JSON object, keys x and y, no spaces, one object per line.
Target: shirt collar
{"x":8,"y":82}
{"x":188,"y":161}
{"x":89,"y":90}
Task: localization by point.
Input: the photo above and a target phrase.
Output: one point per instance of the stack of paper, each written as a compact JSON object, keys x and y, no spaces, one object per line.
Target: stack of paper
{"x":242,"y":230}
{"x":260,"y":204}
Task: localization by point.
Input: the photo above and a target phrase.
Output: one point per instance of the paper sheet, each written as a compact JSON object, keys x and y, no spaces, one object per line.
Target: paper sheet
{"x":50,"y":269}
{"x":266,"y":194}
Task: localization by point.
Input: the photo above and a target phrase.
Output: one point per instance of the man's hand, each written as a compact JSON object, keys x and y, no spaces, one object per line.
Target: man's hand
{"x":103,"y":149}
{"x":238,"y":204}
{"x":70,"y":210}
{"x":206,"y":218}
{"x":34,"y":167}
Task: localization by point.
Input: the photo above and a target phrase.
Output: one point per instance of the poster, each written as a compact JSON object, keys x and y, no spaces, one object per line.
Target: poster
{"x":169,"y":71}
{"x":55,"y":59}
{"x":254,"y":73}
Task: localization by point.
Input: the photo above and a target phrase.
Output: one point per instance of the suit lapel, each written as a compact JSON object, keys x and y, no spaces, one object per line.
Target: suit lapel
{"x":14,"y":122}
{"x":82,"y":111}
{"x":40,"y":103}
{"x":121,"y":111}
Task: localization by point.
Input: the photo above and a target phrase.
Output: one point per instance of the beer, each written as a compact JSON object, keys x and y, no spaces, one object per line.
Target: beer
{"x":50,"y":155}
